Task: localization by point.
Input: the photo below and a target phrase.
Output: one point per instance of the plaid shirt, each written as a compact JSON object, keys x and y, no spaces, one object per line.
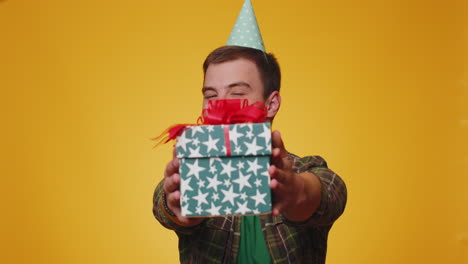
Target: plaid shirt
{"x":216,"y":240}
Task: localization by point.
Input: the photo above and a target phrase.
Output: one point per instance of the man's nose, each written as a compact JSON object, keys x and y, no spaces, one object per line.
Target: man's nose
{"x":222,"y":96}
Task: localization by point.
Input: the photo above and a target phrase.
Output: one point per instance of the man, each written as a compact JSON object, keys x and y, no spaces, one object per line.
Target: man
{"x":307,"y":196}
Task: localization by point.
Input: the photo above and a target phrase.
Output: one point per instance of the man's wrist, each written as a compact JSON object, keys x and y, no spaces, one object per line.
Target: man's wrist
{"x":172,"y":216}
{"x":165,"y":207}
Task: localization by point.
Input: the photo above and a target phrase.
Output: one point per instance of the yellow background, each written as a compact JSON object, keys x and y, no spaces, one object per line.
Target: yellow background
{"x":378,"y":88}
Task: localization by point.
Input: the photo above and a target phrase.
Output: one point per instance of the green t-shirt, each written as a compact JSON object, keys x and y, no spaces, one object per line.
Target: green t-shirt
{"x":252,"y":249}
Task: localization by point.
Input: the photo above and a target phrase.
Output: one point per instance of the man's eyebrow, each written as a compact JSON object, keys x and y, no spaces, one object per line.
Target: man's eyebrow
{"x":239,"y":84}
{"x":208,"y":88}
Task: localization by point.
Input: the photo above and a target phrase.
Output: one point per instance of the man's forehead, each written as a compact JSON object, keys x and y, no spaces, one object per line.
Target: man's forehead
{"x":239,"y":62}
{"x":238,"y":68}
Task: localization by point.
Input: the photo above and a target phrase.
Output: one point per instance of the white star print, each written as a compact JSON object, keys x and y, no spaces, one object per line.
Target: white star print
{"x":195,"y":153}
{"x":242,"y":208}
{"x":240,"y":165}
{"x":213,"y":183}
{"x":211,"y":144}
{"x":194,"y":169}
{"x":213,"y":169}
{"x":243,"y":196}
{"x":213,"y":159}
{"x":227,"y":169}
{"x":201,"y":198}
{"x":196,"y":142}
{"x":234,"y":135}
{"x":266,"y":134}
{"x":249,"y":133}
{"x":258,"y":182}
{"x":254,"y":166}
{"x":185,"y":210}
{"x":198,"y":210}
{"x":252,"y":148}
{"x":184,"y":199}
{"x":210,"y":128}
{"x":255,"y":211}
{"x":185,"y":185}
{"x":229,"y":196}
{"x":214,"y":210}
{"x":201,"y":184}
{"x":196,"y":129}
{"x":227,"y":183}
{"x":182,"y":141}
{"x":227,"y":210}
{"x":215,"y":197}
{"x":243,"y":180}
{"x":259,"y":198}
{"x":237,"y":149}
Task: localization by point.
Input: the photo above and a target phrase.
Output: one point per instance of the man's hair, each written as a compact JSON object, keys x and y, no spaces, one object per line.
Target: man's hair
{"x":267,"y":65}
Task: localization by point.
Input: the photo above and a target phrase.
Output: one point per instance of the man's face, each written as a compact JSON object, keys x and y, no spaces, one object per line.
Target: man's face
{"x":236,"y":79}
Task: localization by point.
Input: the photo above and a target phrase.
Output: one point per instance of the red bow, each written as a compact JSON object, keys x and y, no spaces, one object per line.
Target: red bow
{"x":233,"y":111}
{"x":218,"y":112}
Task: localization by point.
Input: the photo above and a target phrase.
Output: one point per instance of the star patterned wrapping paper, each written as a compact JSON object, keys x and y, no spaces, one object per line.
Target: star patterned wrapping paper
{"x":214,"y":183}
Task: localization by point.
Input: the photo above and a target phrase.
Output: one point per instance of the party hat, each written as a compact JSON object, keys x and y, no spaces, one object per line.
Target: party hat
{"x":246,"y":32}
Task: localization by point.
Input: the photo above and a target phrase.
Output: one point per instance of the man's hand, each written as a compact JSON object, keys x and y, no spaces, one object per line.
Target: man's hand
{"x":296,"y":196}
{"x":172,"y":189}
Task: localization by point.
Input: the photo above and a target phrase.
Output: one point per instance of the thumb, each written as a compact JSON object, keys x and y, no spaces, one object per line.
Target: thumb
{"x":277,"y":142}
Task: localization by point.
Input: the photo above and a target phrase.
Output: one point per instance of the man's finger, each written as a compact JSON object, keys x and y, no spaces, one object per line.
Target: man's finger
{"x":276,"y":209}
{"x":173,"y":200}
{"x":274,"y":184}
{"x":171,"y":183}
{"x":278,"y":174}
{"x":277,"y":142}
{"x":277,"y":187}
{"x":276,"y":158}
{"x":172,"y":167}
{"x":279,"y":190}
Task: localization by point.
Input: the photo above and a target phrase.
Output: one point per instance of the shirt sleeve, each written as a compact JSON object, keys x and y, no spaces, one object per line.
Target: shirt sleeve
{"x":334,"y":192}
{"x":162,"y":216}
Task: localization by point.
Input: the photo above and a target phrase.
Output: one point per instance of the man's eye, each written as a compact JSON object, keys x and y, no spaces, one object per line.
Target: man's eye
{"x":210,"y":96}
{"x":238,"y":94}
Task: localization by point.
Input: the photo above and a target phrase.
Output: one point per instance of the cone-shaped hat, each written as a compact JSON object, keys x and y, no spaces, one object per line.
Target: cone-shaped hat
{"x":246,"y":32}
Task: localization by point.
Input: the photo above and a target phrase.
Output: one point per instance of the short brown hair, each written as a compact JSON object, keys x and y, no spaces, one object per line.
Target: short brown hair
{"x":267,"y":64}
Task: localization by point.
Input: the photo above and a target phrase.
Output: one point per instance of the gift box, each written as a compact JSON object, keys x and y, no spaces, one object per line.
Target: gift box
{"x":224,"y":169}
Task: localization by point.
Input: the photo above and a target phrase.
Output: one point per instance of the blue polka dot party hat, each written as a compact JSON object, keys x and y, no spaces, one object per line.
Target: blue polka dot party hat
{"x":246,"y":32}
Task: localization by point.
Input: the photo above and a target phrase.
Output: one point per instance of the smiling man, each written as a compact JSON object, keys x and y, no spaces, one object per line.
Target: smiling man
{"x":307,"y":196}
{"x":234,"y":72}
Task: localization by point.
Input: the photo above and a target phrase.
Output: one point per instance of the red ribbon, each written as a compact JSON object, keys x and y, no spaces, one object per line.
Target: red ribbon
{"x":219,"y":112}
{"x":233,"y":111}
{"x":170,"y":133}
{"x":227,"y":141}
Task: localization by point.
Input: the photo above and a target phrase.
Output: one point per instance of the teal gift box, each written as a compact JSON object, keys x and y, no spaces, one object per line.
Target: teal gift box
{"x":224,"y":169}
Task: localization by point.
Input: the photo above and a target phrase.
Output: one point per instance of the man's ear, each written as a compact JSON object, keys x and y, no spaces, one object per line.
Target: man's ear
{"x":273,"y":104}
